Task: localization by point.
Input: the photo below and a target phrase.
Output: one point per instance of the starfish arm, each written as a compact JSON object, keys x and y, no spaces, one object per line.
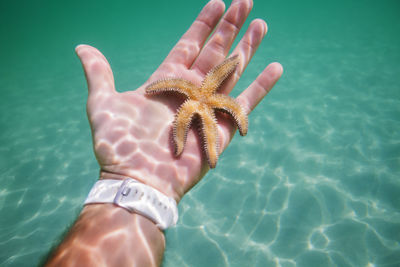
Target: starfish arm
{"x":218,"y":74}
{"x":229,"y":105}
{"x":173,"y":85}
{"x":183,"y":120}
{"x":210,"y":135}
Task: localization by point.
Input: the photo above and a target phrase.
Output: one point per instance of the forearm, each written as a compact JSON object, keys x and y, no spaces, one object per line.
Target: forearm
{"x":107,"y":235}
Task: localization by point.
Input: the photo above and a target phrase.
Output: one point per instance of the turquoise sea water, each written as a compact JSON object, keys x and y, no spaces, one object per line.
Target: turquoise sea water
{"x":315,"y":183}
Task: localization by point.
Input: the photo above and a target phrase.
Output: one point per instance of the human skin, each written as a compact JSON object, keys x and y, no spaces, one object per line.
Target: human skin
{"x":132,"y":135}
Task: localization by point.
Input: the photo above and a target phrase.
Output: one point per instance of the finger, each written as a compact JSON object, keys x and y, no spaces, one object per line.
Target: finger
{"x":98,"y":72}
{"x":260,"y":87}
{"x":245,"y":50}
{"x":188,"y":47}
{"x":221,"y":41}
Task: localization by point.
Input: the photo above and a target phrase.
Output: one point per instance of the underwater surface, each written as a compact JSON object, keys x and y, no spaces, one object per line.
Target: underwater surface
{"x":316,"y":182}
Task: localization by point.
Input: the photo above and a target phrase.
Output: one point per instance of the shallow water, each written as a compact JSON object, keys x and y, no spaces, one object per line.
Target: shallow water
{"x":315,"y":183}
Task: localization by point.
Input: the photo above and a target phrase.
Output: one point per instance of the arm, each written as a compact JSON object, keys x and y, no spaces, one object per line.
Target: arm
{"x":106,"y":235}
{"x":131,"y":136}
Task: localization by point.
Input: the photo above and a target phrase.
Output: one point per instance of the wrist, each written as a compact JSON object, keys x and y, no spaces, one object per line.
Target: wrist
{"x":137,"y":197}
{"x":112,"y":218}
{"x":167,"y":187}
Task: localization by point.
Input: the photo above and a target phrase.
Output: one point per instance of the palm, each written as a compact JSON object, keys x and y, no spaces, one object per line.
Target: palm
{"x":132,"y":132}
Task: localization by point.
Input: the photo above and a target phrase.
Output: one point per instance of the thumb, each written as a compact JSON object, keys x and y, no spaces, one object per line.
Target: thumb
{"x":98,"y":72}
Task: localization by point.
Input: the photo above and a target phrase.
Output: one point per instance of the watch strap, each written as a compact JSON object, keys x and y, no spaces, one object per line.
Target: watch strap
{"x":136,"y":197}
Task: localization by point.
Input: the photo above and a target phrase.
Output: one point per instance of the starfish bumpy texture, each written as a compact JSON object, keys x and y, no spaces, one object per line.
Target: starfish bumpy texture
{"x":201,"y":102}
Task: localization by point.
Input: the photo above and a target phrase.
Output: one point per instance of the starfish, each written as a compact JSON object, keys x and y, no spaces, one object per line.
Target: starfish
{"x":201,"y":102}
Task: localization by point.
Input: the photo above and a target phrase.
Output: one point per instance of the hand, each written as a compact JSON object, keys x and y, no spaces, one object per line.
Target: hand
{"x":132,"y":131}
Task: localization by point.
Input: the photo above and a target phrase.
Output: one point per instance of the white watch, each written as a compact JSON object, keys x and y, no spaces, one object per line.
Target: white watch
{"x":136,"y":197}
